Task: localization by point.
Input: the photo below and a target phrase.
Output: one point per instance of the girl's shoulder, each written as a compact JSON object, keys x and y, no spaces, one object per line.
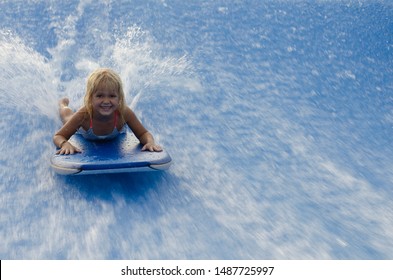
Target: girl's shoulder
{"x":126,"y":110}
{"x":128,"y":114}
{"x":79,"y":119}
{"x":81,"y":116}
{"x":82,"y":112}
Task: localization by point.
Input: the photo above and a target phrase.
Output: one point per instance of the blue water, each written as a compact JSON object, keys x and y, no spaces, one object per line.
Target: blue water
{"x":278,"y":116}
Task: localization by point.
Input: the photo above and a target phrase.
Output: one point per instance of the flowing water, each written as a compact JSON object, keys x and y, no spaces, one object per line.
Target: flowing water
{"x":278,"y":116}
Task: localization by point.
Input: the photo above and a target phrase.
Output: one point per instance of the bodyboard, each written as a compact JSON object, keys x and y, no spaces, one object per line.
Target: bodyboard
{"x":122,"y":154}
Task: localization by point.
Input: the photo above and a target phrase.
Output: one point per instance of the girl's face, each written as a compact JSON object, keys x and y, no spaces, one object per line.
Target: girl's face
{"x":105,"y":101}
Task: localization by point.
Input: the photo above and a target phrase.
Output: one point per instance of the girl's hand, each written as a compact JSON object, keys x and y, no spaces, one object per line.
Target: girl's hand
{"x":68,"y":149}
{"x":151,"y":147}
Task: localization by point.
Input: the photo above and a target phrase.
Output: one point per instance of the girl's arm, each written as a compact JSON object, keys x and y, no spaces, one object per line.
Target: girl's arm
{"x":144,"y":136}
{"x":60,"y":139}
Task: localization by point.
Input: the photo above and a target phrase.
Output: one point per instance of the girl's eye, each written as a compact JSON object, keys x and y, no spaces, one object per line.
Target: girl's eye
{"x":100,"y":95}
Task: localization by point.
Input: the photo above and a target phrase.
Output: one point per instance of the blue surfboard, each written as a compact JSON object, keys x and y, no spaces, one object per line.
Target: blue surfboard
{"x":122,"y":154}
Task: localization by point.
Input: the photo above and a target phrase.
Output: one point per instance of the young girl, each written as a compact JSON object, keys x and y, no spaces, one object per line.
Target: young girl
{"x":103,"y":116}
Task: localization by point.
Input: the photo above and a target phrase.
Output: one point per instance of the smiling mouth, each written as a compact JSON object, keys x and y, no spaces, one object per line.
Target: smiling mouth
{"x":106,"y":107}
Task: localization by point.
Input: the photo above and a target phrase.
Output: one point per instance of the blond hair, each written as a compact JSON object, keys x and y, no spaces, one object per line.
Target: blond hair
{"x":104,"y":78}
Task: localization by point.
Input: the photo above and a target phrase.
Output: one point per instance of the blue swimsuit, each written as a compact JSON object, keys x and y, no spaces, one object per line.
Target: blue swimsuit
{"x":90,"y":135}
